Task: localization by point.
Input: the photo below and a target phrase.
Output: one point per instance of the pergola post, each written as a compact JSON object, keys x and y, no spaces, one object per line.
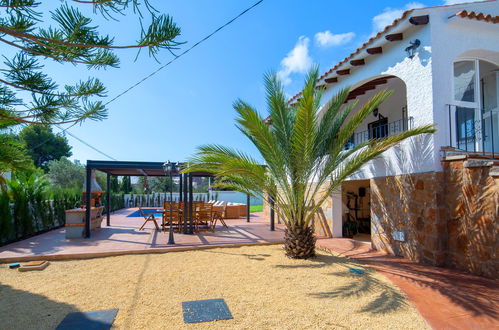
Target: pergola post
{"x":88,"y":187}
{"x":186,"y":209}
{"x":191,"y":213}
{"x":248,"y":198}
{"x":180,"y":199}
{"x":272,"y":216}
{"x":108,"y":200}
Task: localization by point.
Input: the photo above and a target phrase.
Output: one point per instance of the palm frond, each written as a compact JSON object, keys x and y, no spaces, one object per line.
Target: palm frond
{"x":302,"y":146}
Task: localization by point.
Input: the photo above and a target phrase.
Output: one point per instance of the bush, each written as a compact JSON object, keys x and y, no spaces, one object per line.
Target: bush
{"x":25,"y":208}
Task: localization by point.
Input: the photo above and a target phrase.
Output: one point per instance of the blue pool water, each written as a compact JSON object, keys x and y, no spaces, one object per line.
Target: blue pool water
{"x":136,"y":214}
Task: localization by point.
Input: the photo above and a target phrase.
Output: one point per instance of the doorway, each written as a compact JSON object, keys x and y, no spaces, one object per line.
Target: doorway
{"x":356,"y":199}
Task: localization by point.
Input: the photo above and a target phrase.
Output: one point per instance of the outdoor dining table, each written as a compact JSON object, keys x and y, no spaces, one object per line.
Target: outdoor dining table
{"x":165,"y":222}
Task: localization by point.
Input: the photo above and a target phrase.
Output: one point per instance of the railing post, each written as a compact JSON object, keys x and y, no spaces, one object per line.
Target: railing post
{"x":451,"y":143}
{"x":492,"y":132}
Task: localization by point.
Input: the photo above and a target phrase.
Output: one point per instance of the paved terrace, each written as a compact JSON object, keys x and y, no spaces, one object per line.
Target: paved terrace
{"x":124,"y":237}
{"x":446,"y":298}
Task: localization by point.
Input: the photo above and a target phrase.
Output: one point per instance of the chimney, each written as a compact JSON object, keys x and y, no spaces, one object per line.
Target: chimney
{"x":94,"y":186}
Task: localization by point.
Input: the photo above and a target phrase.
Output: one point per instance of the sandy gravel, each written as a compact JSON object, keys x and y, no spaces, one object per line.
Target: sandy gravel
{"x":262,"y":288}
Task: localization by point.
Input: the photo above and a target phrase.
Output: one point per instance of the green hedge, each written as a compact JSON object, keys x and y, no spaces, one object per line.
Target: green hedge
{"x":24,"y":213}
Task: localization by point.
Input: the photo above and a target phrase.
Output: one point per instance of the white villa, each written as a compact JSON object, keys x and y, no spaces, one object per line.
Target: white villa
{"x":428,"y":199}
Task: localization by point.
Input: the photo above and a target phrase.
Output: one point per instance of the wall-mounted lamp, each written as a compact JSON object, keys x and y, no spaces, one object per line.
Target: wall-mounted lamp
{"x":411,"y":50}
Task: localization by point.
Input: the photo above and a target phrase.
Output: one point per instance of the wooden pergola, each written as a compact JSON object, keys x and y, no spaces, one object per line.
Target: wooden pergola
{"x":126,"y":168}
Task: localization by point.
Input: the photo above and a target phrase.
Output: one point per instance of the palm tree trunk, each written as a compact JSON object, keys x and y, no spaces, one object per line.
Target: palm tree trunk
{"x":299,"y":242}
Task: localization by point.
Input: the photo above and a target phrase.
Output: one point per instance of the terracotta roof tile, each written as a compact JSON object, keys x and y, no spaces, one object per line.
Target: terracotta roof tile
{"x":477,"y":16}
{"x":462,"y":13}
{"x":358,"y":50}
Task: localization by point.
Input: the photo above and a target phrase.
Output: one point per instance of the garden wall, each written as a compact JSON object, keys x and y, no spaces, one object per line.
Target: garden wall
{"x":408,"y":216}
{"x":157,"y":199}
{"x":472,"y":199}
{"x":445,"y":219}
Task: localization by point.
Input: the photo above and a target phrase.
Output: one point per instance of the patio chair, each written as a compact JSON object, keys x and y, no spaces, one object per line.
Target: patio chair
{"x":176,"y":216}
{"x":204,"y":217}
{"x":219,"y":216}
{"x":149,"y":217}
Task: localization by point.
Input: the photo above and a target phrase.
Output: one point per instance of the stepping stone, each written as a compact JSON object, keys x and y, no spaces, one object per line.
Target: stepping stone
{"x":356,"y":271}
{"x":96,"y":320}
{"x":205,"y":310}
{"x":33,"y":265}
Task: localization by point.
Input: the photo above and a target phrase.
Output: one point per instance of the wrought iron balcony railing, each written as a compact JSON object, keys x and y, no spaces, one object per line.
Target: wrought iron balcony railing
{"x":380,"y":131}
{"x":471,"y":134}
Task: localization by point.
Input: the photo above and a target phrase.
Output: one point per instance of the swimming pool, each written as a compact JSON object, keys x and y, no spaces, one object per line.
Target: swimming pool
{"x":136,"y":214}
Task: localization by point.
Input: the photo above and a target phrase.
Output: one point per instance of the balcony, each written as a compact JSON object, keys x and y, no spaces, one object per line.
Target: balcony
{"x":474,"y":131}
{"x":380,"y":130}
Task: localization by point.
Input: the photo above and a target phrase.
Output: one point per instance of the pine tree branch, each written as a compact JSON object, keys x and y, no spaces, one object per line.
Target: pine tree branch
{"x":36,"y":39}
{"x":51,"y":94}
{"x":42,"y":54}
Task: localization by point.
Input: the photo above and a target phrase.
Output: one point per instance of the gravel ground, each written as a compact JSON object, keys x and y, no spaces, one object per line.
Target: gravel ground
{"x":262,"y":288}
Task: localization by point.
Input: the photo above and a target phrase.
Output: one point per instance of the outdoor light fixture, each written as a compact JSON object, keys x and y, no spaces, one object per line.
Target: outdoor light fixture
{"x":169,"y":167}
{"x":375,"y":112}
{"x":411,"y":50}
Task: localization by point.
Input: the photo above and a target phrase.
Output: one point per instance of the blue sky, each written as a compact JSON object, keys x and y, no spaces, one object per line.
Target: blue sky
{"x":190,"y":102}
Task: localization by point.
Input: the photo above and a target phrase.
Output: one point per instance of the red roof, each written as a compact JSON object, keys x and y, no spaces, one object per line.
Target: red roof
{"x":358,"y":50}
{"x":462,"y":13}
{"x":477,"y":16}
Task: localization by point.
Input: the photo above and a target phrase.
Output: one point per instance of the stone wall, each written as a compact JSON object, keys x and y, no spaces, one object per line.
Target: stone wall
{"x":448,"y":218}
{"x":412,"y":205}
{"x":472,"y":199}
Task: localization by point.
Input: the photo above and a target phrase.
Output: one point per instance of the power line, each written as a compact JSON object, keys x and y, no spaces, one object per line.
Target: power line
{"x":66,"y":130}
{"x":184,"y":52}
{"x":86,"y":143}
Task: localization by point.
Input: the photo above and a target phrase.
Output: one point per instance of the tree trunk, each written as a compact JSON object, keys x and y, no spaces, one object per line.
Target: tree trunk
{"x":299,"y":242}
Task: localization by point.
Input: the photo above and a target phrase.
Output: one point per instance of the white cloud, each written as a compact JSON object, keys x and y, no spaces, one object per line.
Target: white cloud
{"x":390,"y":14}
{"x":453,"y":2}
{"x":296,"y":61}
{"x":328,"y":39}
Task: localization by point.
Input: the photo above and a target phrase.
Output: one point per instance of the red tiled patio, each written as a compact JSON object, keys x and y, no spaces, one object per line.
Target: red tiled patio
{"x":446,"y":298}
{"x":124,"y":237}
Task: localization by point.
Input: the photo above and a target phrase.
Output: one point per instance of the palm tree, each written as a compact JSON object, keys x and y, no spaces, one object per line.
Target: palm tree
{"x":303,"y":149}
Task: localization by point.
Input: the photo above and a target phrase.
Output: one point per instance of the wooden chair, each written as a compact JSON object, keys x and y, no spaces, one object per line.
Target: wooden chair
{"x":204,"y":217}
{"x":176,"y":216}
{"x":219,"y":216}
{"x":149,"y":217}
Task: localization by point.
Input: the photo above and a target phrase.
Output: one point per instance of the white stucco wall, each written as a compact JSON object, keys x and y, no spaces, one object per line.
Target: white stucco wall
{"x":414,"y":155}
{"x":451,"y":38}
{"x":428,"y":80}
